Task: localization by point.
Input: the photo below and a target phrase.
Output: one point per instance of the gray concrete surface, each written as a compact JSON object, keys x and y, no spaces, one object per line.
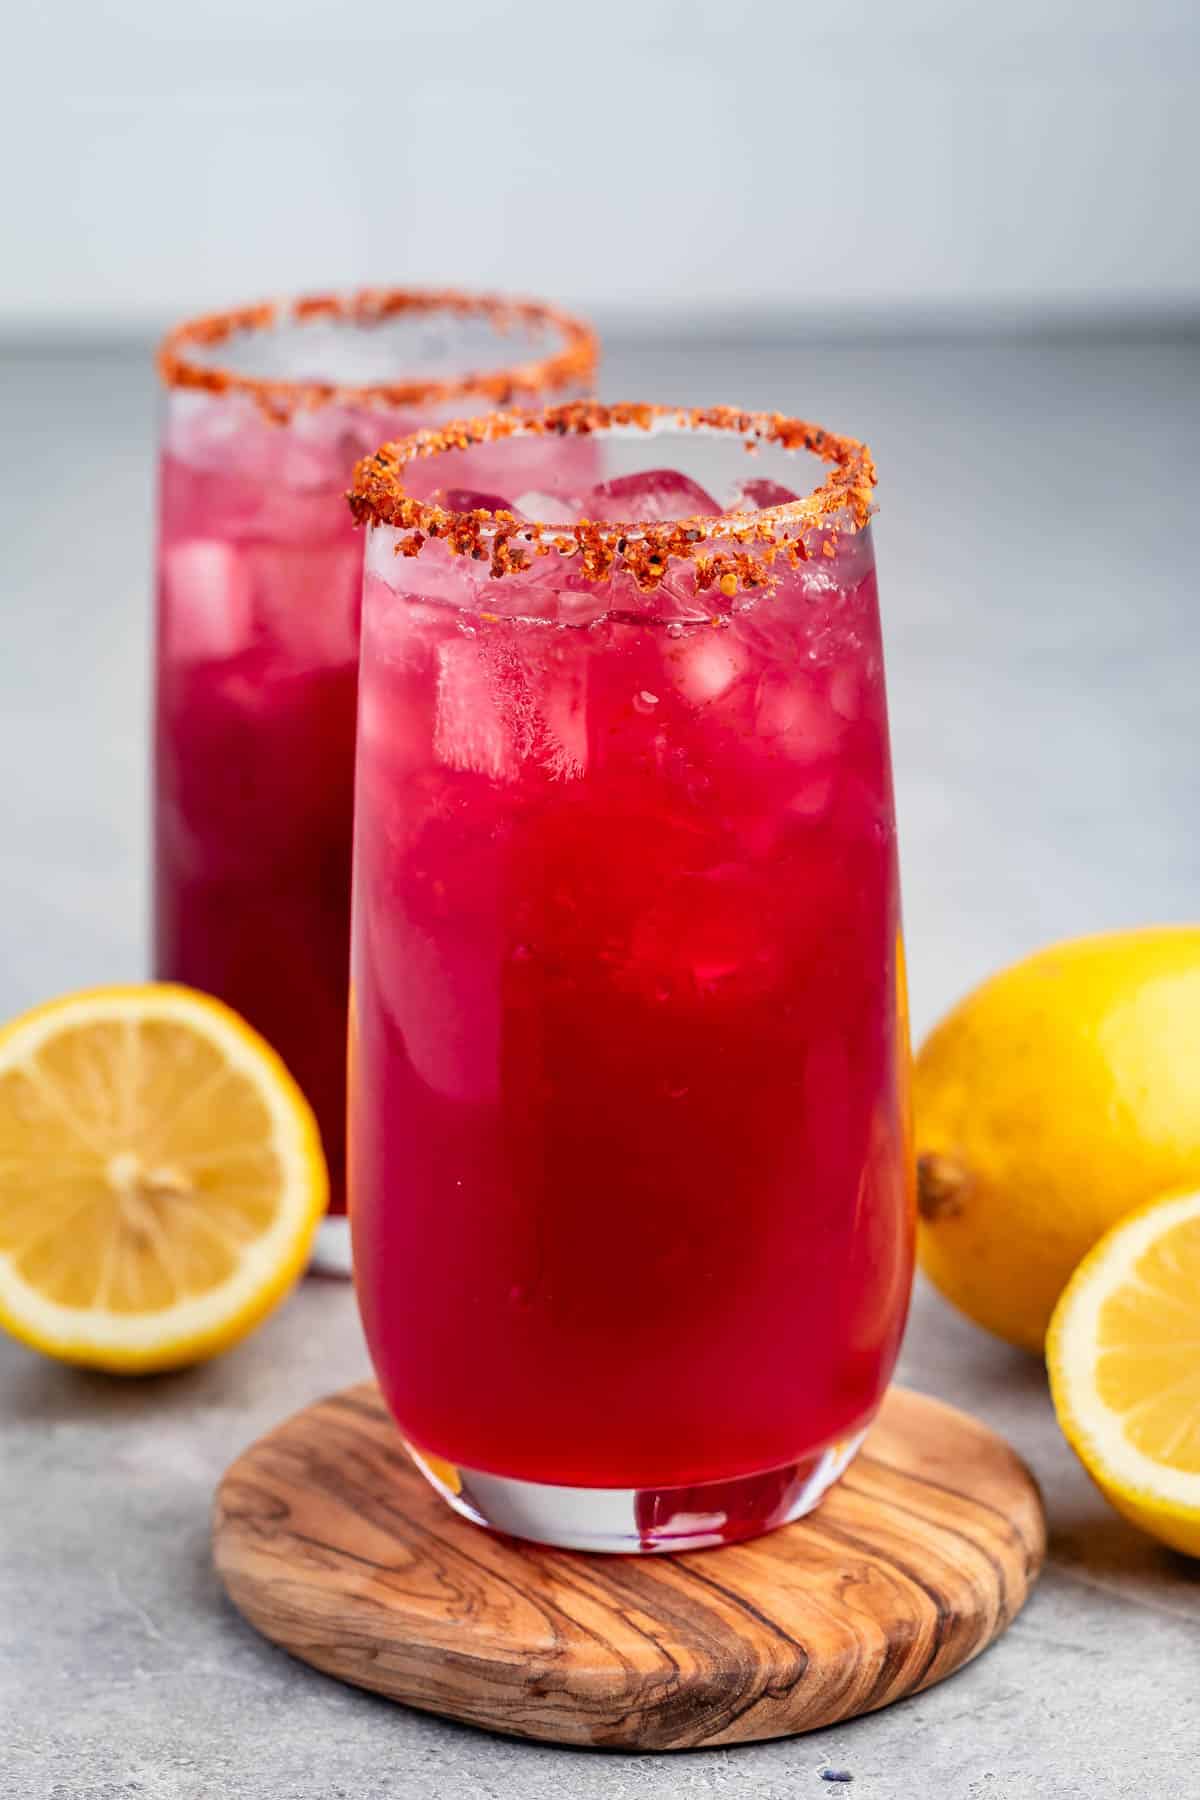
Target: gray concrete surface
{"x":1038,"y":542}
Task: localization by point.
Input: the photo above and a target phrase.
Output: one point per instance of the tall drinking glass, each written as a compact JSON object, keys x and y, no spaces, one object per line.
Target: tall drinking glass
{"x":632,"y":1210}
{"x":259,"y":593}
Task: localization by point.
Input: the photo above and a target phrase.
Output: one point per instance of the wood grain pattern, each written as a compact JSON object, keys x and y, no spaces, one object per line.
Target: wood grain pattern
{"x":331,"y":1544}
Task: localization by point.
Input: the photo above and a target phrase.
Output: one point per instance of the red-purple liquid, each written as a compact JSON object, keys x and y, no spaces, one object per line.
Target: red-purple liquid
{"x":258,"y":605}
{"x":259,"y":596}
{"x":631,"y":1205}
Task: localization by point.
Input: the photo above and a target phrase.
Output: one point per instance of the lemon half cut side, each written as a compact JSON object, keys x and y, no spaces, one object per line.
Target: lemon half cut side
{"x":161,"y":1178}
{"x":1123,"y":1354}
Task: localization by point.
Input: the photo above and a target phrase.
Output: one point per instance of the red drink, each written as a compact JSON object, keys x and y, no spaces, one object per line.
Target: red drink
{"x":260,"y":588}
{"x":631,"y":1209}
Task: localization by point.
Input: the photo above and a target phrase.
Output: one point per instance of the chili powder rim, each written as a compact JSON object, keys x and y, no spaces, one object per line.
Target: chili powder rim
{"x":731,"y":551}
{"x":279,"y":397}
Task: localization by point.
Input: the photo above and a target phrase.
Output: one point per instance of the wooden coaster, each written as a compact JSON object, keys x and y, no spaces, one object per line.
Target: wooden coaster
{"x":332,"y":1545}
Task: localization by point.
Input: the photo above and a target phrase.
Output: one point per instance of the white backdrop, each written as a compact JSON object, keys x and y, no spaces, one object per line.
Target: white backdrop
{"x":878,"y":158}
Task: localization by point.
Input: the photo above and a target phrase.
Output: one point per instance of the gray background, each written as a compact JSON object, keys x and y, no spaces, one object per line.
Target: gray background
{"x":967,"y":234}
{"x":794,"y":158}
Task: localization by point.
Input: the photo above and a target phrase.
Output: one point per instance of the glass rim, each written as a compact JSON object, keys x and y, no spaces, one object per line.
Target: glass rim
{"x":747,"y":544}
{"x":281,"y":396}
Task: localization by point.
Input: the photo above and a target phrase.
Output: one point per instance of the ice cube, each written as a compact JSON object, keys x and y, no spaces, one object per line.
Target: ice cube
{"x":305,"y":467}
{"x":564,"y":717}
{"x":581,"y":602}
{"x":403,"y":630}
{"x":207,"y":600}
{"x":844,"y":691}
{"x":458,"y":583}
{"x":648,"y":497}
{"x":547,"y":509}
{"x":470,"y":730}
{"x":344,"y":434}
{"x":460,"y":500}
{"x":307,"y":597}
{"x":754,"y":496}
{"x":812,"y":798}
{"x":795,"y":716}
{"x":678,"y":599}
{"x":707,"y":664}
{"x":454,"y":1046}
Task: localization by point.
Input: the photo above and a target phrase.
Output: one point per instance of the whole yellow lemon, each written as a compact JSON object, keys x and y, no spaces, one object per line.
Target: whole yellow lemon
{"x":1061,"y":1094}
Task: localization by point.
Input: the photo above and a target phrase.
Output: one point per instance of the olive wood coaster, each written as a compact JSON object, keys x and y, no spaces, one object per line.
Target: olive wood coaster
{"x":334,"y":1546}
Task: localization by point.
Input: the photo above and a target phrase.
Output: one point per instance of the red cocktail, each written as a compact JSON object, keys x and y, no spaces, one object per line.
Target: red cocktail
{"x":631,"y":1200}
{"x":260,"y":585}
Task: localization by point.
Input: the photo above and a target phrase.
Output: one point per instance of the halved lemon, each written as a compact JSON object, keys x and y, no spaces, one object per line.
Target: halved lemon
{"x":161,"y":1178}
{"x":1124,"y":1359}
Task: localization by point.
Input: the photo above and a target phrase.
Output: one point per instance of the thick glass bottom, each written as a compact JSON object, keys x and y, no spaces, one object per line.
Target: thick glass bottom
{"x":641,"y":1520}
{"x":331,"y":1249}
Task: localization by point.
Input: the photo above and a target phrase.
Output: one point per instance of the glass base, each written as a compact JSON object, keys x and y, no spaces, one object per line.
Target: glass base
{"x":331,"y":1249}
{"x":641,"y":1520}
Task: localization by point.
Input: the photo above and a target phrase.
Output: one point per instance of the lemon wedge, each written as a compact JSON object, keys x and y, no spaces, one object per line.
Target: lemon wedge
{"x":1123,"y":1353}
{"x":161,"y":1178}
